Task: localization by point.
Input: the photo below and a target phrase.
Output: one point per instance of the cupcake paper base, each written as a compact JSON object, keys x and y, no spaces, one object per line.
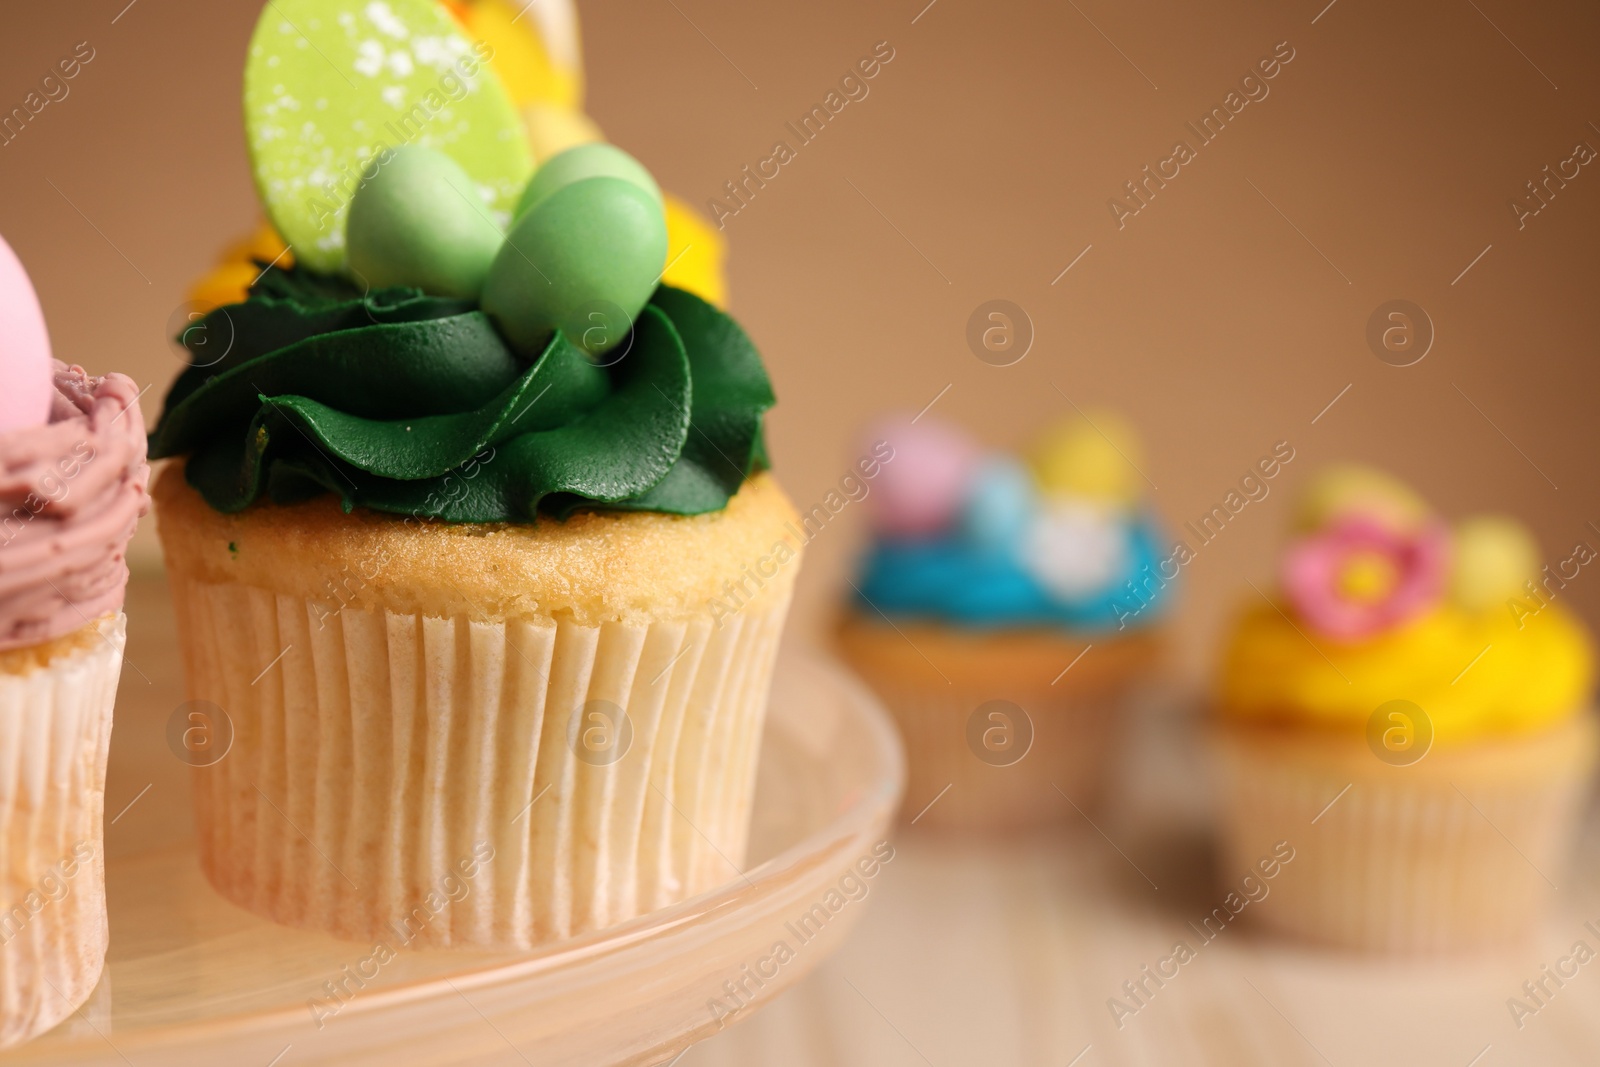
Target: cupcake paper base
{"x":1462,"y":849}
{"x":1072,"y":715}
{"x":55,"y":731}
{"x":450,"y":781}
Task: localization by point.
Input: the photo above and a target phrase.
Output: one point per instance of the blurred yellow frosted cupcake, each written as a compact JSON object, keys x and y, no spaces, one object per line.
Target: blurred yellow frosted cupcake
{"x":1002,"y":612}
{"x":1410,"y":713}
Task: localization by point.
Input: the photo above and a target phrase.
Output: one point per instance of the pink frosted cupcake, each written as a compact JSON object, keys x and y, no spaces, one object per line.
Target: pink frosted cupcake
{"x":73,"y":483}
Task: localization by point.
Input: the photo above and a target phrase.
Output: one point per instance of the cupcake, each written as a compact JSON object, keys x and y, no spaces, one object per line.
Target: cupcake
{"x":73,"y":483}
{"x":1408,"y":714}
{"x":1002,"y":612}
{"x":462,"y":524}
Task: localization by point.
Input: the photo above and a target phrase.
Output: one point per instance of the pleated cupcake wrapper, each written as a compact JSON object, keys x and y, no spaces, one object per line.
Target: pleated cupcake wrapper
{"x":55,"y":730}
{"x":1462,"y":856}
{"x":396,"y":776}
{"x":1072,"y":745}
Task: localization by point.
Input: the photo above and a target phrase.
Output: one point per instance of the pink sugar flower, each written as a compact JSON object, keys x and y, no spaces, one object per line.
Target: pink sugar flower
{"x":1357,"y":577}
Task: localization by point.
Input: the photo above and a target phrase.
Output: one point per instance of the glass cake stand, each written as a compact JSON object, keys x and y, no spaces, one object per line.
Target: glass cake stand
{"x":193,"y":980}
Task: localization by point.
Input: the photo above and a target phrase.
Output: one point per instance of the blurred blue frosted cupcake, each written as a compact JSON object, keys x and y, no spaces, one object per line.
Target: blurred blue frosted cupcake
{"x":1002,"y":612}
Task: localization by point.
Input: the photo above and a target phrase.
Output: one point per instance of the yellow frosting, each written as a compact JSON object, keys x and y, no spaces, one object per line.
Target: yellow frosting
{"x":553,"y":129}
{"x":532,"y":69}
{"x":695,"y":254}
{"x":1529,"y":677}
{"x":229,"y":281}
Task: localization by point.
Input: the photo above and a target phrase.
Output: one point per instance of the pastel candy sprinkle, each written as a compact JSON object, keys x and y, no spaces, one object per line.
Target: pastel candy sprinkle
{"x":26,"y":373}
{"x":416,"y":221}
{"x":1343,"y":490}
{"x":1094,"y":456}
{"x":584,"y":260}
{"x":920,"y":491}
{"x":1494,"y":557}
{"x":1001,"y":501}
{"x":1075,"y":548}
{"x":595,"y":160}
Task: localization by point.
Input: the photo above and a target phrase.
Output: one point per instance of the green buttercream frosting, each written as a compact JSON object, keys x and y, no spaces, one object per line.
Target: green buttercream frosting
{"x":414,"y":404}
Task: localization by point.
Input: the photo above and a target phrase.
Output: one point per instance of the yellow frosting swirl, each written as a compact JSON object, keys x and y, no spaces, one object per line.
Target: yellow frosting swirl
{"x":1474,"y":673}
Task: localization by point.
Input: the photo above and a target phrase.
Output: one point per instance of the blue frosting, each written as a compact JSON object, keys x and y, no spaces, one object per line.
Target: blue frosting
{"x":951,"y":578}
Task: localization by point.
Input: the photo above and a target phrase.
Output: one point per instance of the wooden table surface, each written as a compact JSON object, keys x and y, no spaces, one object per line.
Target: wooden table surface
{"x":1007,"y":951}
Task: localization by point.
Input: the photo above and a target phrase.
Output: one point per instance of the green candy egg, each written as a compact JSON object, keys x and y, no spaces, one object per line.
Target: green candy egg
{"x":419,"y":220}
{"x":583,"y":260}
{"x":597,"y":160}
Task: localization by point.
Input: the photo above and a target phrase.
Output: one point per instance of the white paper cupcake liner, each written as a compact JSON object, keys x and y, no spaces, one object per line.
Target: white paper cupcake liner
{"x":1004,"y":729}
{"x":419,"y":779}
{"x":1460,"y":850}
{"x":55,"y":730}
{"x":1067,"y":761}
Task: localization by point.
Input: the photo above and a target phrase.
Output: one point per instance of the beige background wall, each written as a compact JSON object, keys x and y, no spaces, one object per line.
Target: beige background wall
{"x":1222,"y":318}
